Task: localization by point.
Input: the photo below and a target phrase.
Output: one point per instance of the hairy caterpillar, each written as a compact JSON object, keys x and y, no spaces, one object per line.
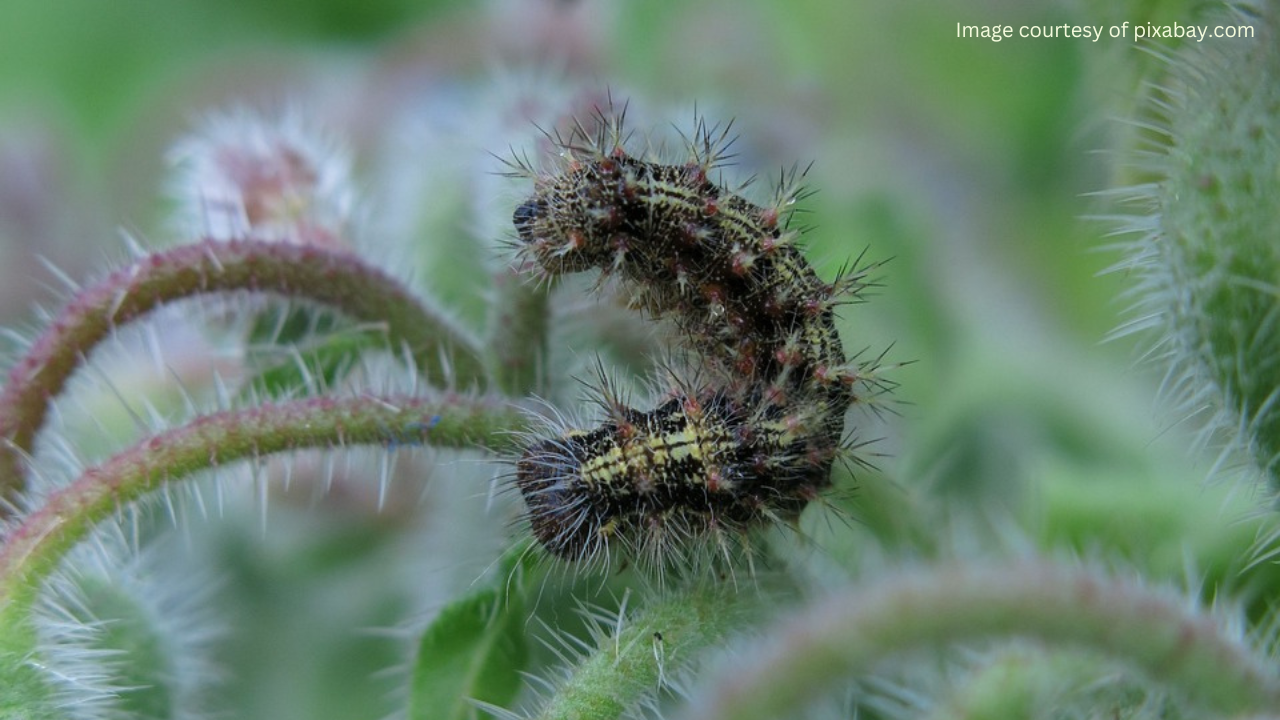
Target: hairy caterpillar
{"x":753,"y":442}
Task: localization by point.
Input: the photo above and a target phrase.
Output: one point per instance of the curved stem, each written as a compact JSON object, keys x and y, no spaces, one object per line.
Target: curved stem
{"x":38,"y":543}
{"x":848,"y":633}
{"x":656,"y":643}
{"x":331,"y":277}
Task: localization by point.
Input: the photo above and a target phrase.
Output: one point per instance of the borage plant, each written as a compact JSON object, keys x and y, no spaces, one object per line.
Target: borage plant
{"x":660,"y":520}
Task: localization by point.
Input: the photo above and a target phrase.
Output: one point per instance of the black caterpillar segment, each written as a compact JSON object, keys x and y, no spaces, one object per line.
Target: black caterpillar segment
{"x":693,"y":463}
{"x":726,"y":270}
{"x":754,"y":444}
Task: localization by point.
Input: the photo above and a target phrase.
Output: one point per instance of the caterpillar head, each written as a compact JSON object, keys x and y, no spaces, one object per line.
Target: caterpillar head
{"x":578,"y":221}
{"x":548,"y":476}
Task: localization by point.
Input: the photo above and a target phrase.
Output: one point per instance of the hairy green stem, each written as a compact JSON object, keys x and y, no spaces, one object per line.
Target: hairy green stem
{"x":519,"y":317}
{"x":331,"y":277}
{"x":38,"y":543}
{"x":649,"y":647}
{"x":25,"y":688}
{"x":848,"y":633}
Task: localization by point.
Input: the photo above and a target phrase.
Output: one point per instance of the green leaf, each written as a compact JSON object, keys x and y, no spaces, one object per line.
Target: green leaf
{"x":320,"y":352}
{"x":284,"y":325}
{"x":319,"y":367}
{"x":474,"y":650}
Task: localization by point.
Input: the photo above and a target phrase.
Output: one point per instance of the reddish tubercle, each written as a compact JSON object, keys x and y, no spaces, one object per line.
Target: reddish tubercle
{"x":714,"y":480}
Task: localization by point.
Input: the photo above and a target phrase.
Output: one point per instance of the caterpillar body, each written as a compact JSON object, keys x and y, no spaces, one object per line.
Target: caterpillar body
{"x":753,"y":442}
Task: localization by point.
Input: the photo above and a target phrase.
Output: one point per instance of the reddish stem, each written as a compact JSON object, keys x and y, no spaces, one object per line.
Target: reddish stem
{"x":331,"y":277}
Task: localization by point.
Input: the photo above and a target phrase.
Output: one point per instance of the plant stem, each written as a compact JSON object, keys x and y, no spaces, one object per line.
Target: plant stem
{"x":331,"y":277}
{"x":656,"y":643}
{"x":517,"y":334}
{"x":35,"y":546}
{"x":848,"y":633}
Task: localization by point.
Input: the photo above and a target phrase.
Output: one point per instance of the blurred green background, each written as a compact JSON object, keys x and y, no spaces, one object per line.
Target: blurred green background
{"x":970,"y":163}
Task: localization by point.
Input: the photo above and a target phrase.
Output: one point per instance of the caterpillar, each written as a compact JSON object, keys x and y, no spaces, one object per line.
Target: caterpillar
{"x":754,"y":440}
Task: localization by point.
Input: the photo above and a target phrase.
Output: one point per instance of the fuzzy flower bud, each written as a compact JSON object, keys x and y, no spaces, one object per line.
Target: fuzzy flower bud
{"x":241,"y":176}
{"x":1209,"y":251}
